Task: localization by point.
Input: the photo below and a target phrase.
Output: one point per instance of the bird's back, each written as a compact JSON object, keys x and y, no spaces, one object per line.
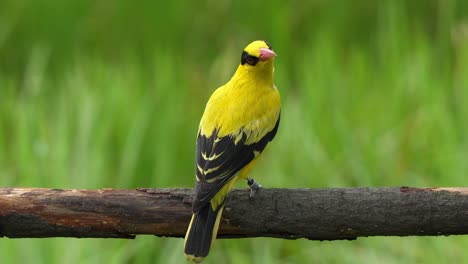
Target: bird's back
{"x":242,"y":105}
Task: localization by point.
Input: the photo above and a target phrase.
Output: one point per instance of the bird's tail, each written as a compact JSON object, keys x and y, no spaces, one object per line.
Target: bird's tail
{"x":201,"y":232}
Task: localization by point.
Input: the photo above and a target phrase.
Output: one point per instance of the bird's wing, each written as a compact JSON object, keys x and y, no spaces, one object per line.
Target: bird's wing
{"x":219,"y":159}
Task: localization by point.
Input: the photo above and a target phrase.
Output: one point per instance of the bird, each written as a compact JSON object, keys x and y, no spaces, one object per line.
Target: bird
{"x":240,"y":119}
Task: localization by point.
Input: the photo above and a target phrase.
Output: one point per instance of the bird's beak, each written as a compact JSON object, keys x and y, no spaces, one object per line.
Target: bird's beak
{"x":266,"y":54}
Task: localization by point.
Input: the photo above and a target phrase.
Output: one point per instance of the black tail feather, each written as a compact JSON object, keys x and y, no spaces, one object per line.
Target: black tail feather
{"x":203,"y":227}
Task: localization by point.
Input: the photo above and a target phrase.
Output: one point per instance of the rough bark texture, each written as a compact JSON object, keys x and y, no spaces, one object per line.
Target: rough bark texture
{"x":319,"y":214}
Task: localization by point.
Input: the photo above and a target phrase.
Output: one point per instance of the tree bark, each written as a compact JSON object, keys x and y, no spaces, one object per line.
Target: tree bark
{"x":318,"y":214}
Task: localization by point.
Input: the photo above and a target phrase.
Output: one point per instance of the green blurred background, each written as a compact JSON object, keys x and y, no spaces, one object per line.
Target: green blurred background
{"x":98,"y":94}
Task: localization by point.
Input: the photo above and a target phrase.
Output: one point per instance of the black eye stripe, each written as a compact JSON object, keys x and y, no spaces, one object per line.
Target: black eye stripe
{"x":249,"y":59}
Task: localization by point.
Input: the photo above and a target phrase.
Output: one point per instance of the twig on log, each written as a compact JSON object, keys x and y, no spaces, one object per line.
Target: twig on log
{"x":318,"y":214}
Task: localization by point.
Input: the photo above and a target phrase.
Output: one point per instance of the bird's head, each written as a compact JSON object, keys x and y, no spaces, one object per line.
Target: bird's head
{"x":258,"y":56}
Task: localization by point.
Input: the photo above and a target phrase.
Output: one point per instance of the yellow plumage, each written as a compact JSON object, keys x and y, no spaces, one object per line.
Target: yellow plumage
{"x":240,"y":119}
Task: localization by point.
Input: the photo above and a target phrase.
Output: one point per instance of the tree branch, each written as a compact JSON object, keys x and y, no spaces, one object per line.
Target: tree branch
{"x":318,"y":214}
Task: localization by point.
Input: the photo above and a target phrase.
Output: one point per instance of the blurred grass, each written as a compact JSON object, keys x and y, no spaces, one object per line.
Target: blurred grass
{"x":109,"y":94}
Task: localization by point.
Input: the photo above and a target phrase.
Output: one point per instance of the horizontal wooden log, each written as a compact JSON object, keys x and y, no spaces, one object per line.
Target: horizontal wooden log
{"x":318,"y":214}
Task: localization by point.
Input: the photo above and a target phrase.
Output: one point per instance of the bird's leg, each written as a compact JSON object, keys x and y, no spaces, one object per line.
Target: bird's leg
{"x":255,"y":187}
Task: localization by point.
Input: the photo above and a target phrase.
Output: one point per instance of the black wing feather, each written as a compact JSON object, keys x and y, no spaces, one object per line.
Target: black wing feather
{"x":233,"y":159}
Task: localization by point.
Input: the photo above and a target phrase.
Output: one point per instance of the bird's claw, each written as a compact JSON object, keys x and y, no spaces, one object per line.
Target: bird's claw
{"x":255,"y":187}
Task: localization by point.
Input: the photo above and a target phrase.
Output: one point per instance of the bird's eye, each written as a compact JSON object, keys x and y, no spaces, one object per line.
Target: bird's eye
{"x":250,"y":60}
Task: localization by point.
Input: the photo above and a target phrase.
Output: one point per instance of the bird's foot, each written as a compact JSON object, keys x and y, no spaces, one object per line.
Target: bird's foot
{"x":255,"y":187}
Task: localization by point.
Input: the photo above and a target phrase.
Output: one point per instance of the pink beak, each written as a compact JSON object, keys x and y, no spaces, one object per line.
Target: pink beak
{"x":266,"y":54}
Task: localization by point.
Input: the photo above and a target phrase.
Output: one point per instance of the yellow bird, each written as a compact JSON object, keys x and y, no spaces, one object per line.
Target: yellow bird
{"x":240,"y":119}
